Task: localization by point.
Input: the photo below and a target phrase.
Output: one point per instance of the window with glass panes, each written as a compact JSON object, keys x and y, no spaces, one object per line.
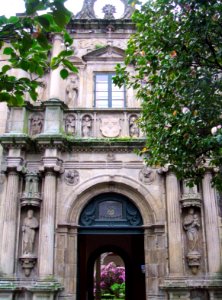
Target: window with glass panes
{"x":107,"y":94}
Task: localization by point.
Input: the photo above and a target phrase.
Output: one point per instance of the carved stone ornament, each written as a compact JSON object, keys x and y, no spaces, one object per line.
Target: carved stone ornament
{"x":86,"y":126}
{"x":134,"y":131}
{"x":146,"y":175}
{"x":28,"y":264}
{"x":111,"y":157}
{"x":72,"y":90}
{"x":190,"y":196}
{"x":109,"y":11}
{"x":71,"y":177}
{"x":36,"y":123}
{"x":110,"y":127}
{"x":29,"y":227}
{"x":191,"y":225}
{"x":88,"y":12}
{"x":70,"y":124}
{"x":31,"y":195}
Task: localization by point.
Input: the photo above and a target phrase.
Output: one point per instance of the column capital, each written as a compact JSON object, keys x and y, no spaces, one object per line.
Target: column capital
{"x":15,"y":164}
{"x":51,"y":165}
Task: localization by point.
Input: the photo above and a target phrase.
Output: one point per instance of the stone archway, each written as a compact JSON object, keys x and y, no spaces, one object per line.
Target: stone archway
{"x":67,"y":232}
{"x":110,"y":222}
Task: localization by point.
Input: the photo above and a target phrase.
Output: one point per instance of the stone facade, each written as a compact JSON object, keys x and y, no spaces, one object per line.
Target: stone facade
{"x":62,"y":152}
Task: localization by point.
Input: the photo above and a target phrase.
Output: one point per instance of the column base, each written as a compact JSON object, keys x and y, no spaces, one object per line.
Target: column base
{"x":29,"y":289}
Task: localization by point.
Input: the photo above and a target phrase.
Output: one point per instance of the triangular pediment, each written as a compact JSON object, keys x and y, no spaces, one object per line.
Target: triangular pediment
{"x":108,"y":53}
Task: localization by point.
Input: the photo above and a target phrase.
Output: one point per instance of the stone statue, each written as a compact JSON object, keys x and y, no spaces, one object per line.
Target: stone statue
{"x":133,"y":127}
{"x":72,"y":90}
{"x":191,"y":225}
{"x":29,"y":227}
{"x":70,"y":124}
{"x":36,"y":124}
{"x":86,"y":126}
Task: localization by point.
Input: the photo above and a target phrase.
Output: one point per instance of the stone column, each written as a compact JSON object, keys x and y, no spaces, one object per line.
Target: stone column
{"x":55,"y":79}
{"x":51,"y":166}
{"x":9,"y":213}
{"x":174,"y":225}
{"x":47,"y":231}
{"x":211,"y":224}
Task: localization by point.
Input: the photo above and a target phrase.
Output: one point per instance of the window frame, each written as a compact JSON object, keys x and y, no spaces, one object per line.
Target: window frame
{"x":110,"y":91}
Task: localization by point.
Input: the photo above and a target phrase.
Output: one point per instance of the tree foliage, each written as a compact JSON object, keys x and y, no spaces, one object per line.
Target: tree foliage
{"x":25,"y":42}
{"x":177,"y":55}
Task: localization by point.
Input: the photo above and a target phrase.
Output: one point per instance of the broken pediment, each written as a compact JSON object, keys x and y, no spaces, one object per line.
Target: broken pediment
{"x":108,"y":53}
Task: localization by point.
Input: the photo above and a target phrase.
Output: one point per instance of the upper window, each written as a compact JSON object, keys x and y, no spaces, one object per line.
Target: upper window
{"x":107,"y":94}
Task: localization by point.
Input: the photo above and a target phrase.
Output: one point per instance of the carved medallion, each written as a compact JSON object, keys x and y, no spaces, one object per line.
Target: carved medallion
{"x":146,"y":175}
{"x":71,"y":177}
{"x":110,"y":127}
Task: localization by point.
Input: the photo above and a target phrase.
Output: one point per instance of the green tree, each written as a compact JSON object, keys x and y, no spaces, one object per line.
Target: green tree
{"x":25,"y":44}
{"x":177,"y":55}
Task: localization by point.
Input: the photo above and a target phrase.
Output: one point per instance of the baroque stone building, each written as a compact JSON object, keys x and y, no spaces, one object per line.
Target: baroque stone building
{"x":72,"y":187}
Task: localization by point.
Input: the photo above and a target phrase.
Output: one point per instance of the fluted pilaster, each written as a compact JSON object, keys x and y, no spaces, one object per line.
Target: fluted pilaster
{"x":211,"y":223}
{"x":47,"y":232}
{"x":174,"y":225}
{"x":9,"y":221}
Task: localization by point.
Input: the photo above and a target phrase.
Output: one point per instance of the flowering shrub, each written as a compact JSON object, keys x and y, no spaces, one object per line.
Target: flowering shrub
{"x":112,"y":279}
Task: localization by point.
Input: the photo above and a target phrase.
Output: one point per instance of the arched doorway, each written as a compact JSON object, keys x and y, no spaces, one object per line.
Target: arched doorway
{"x":110,"y":223}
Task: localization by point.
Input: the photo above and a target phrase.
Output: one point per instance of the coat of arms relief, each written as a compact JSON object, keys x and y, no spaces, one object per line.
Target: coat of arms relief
{"x":110,"y":127}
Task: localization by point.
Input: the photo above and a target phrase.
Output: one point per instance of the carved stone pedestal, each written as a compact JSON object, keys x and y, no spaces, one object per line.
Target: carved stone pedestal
{"x":193,"y":260}
{"x":28,"y":263}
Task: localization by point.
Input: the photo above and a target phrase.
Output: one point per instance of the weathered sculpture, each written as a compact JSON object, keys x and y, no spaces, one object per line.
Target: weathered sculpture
{"x":133,"y":127}
{"x":109,"y":11}
{"x":72,"y":177}
{"x":29,"y":227}
{"x":191,"y":225}
{"x":86,"y":126}
{"x":36,"y":124}
{"x":70,"y":124}
{"x":146,"y":175}
{"x":72,"y":90}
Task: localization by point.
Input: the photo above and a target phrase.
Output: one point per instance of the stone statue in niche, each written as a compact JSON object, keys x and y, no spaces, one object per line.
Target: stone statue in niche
{"x":71,"y":177}
{"x":72,"y":90}
{"x":191,"y":225}
{"x":30,"y":224}
{"x":146,"y":175}
{"x":36,"y":124}
{"x":133,"y":127}
{"x":86,"y":126}
{"x":70,"y":124}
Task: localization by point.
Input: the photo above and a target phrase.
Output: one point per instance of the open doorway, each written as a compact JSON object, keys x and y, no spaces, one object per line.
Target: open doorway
{"x":110,"y":239}
{"x":109,"y":277}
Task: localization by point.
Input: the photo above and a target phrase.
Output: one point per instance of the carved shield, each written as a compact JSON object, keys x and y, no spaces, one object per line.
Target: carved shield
{"x":110,"y":127}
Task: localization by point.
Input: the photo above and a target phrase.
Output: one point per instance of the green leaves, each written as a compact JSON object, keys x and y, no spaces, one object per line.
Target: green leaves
{"x":176,"y":53}
{"x":26,"y":42}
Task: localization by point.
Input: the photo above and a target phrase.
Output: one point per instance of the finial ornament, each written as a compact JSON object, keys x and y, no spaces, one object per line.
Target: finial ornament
{"x":88,"y":12}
